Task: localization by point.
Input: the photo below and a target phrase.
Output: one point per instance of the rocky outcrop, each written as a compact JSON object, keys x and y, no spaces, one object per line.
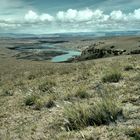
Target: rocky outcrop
{"x":135,"y":52}
{"x":102,"y":52}
{"x":94,"y":53}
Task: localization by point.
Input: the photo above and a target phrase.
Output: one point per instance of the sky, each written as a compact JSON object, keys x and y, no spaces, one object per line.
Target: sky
{"x":59,"y":16}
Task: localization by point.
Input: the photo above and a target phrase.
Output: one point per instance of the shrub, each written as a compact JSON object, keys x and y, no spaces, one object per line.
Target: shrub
{"x":47,"y":86}
{"x":112,"y":47}
{"x":82,"y":94}
{"x":38,"y":104}
{"x":76,"y":117}
{"x":31,"y":77}
{"x":7,"y":93}
{"x":103,"y":112}
{"x":135,"y":133}
{"x":128,"y":68}
{"x":136,"y":78}
{"x":112,"y":77}
{"x":30,"y":100}
{"x":50,"y":103}
{"x":33,"y":100}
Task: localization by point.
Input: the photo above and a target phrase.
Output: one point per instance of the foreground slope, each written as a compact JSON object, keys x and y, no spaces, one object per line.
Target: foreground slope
{"x":95,"y":99}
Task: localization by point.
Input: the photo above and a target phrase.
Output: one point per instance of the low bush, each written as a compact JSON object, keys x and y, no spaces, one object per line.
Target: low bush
{"x":103,"y":112}
{"x":112,"y":77}
{"x":50,"y":103}
{"x":38,"y":104}
{"x":30,"y":100}
{"x":128,"y":68}
{"x":136,"y":78}
{"x":47,"y":86}
{"x":7,"y":93}
{"x":33,"y":100}
{"x":82,"y":94}
{"x":31,"y":77}
{"x":76,"y":117}
{"x":134,"y":133}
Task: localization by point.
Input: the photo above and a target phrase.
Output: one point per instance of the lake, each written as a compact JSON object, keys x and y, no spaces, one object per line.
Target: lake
{"x":45,"y":51}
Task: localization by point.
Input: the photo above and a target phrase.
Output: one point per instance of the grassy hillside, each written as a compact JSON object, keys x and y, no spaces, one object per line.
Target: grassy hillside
{"x":40,"y":100}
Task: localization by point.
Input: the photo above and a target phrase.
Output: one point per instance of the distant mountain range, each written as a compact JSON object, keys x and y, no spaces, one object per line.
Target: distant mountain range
{"x":79,"y":34}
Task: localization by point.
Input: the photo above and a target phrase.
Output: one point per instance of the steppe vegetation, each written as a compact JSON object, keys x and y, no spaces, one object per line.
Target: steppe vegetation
{"x":86,"y":100}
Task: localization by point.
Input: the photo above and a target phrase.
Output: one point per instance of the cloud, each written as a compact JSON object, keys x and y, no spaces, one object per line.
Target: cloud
{"x":94,"y":20}
{"x":96,"y":16}
{"x":136,"y":14}
{"x":75,"y":20}
{"x":72,"y":15}
{"x":118,"y":15}
{"x":46,"y":17}
{"x":32,"y":16}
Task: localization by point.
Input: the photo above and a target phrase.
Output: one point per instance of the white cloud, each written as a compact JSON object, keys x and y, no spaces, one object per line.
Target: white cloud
{"x":137,"y":14}
{"x":117,"y":15}
{"x":32,"y":16}
{"x":89,"y":15}
{"x":8,"y":24}
{"x":76,"y":20}
{"x":46,"y":17}
{"x":84,"y":15}
{"x":72,"y":15}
